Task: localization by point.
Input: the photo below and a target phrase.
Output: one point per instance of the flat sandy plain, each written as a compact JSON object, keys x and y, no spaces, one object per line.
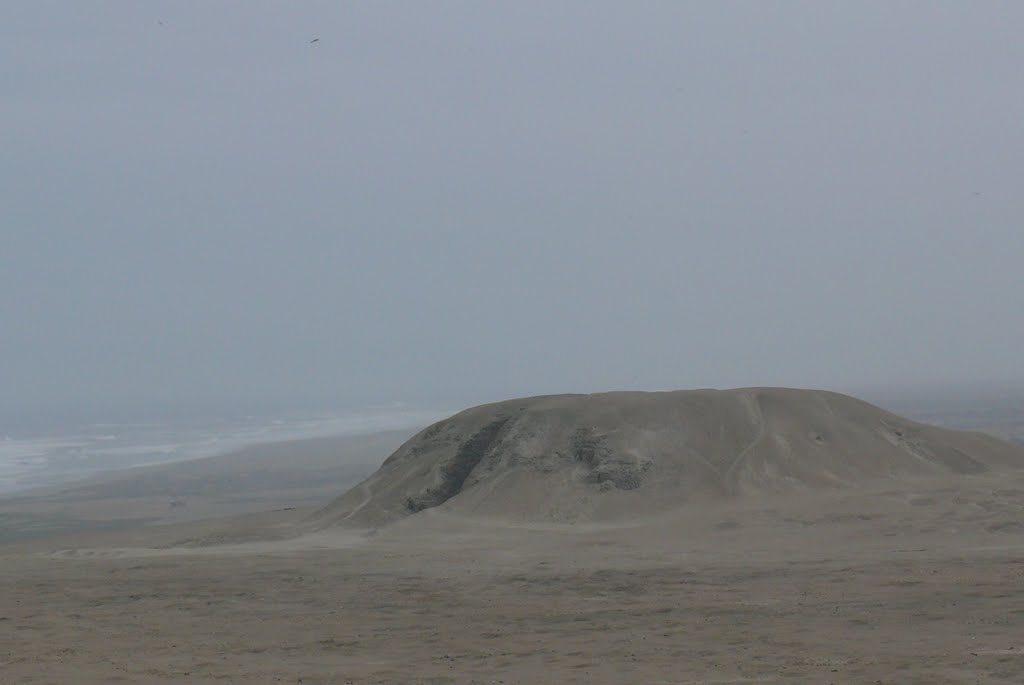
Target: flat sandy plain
{"x":916,"y":581}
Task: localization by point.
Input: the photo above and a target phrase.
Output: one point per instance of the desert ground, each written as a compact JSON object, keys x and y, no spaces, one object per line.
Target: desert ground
{"x":916,"y":582}
{"x":893,"y":580}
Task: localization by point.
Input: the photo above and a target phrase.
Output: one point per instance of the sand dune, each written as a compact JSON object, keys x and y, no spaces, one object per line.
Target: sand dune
{"x":610,"y":456}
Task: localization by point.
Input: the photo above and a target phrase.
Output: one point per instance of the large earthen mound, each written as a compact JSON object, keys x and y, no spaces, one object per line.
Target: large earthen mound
{"x":620,"y":455}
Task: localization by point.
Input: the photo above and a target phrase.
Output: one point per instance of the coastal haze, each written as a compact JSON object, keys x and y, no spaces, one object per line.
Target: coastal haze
{"x":447,"y":203}
{"x":458,"y":343}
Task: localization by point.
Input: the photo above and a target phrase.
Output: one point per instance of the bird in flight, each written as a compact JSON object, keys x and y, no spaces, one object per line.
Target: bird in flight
{"x":315,"y":40}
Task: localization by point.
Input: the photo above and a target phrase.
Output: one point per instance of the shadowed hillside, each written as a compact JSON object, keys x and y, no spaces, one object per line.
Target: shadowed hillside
{"x":620,"y":455}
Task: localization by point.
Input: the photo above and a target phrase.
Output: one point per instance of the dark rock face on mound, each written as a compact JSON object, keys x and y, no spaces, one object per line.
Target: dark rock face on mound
{"x":454,"y":472}
{"x":626,"y":454}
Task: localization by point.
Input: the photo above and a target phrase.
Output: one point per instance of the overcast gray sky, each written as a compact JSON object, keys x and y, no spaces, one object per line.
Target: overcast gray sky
{"x":457,"y":201}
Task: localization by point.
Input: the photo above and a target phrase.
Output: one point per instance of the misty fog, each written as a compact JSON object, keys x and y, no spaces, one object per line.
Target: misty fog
{"x":450,"y":202}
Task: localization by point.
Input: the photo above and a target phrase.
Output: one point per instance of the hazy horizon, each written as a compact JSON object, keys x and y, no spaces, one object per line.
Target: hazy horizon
{"x":448,"y":203}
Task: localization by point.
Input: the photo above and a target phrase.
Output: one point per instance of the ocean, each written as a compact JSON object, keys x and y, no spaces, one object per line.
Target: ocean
{"x":62,"y":456}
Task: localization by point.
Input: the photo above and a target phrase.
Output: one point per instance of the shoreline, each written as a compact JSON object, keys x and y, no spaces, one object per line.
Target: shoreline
{"x":266,"y":476}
